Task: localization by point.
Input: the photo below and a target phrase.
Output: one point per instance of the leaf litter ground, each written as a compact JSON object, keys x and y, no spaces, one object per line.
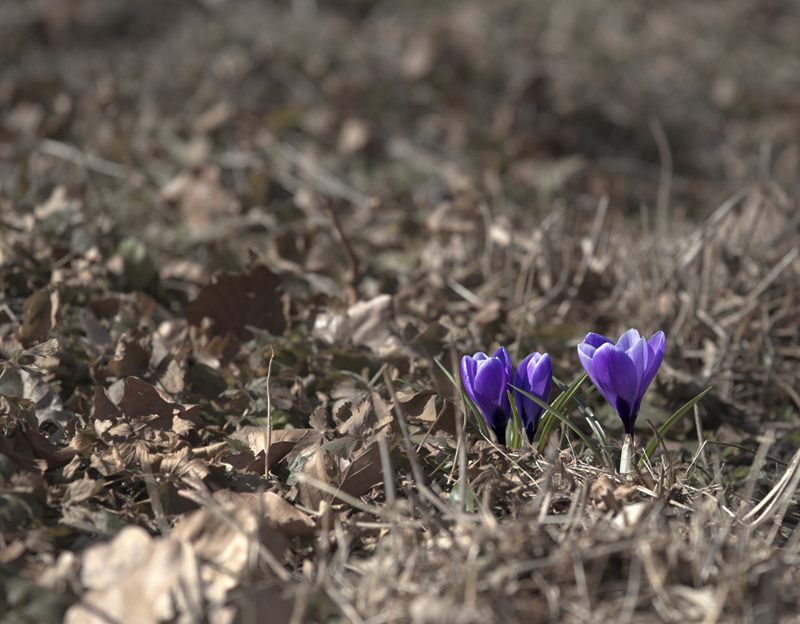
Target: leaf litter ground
{"x":237,"y":237}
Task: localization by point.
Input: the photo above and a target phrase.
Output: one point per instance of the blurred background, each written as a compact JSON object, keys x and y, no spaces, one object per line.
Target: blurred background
{"x":529,"y":103}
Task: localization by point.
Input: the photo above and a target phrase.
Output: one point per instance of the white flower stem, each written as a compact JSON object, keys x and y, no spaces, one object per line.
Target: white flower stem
{"x":625,"y":459}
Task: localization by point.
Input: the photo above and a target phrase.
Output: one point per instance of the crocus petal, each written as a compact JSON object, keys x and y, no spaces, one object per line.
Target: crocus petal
{"x":490,"y":388}
{"x":585,"y":354}
{"x":503,"y":355}
{"x":628,"y":339}
{"x":655,"y":355}
{"x":638,"y":354}
{"x":469,"y":367}
{"x":491,"y":380}
{"x":596,"y":340}
{"x":534,"y":376}
{"x":617,"y":379}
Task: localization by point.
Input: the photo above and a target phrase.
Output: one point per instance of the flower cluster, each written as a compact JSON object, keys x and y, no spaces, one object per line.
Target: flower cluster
{"x":621,"y":372}
{"x":488,"y":379}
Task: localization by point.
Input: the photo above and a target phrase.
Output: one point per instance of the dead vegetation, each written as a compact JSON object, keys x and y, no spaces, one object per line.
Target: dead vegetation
{"x":238,"y":239}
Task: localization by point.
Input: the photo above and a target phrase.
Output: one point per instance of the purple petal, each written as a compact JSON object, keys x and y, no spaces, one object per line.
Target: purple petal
{"x":638,"y":355}
{"x":595,"y":340}
{"x":655,"y":355}
{"x":585,"y":354}
{"x":469,"y":367}
{"x":503,"y":355}
{"x":491,"y":380}
{"x":617,"y":379}
{"x":534,"y":376}
{"x":628,"y":339}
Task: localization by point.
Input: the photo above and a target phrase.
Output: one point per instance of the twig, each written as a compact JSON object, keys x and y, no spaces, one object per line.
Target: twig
{"x":784,"y":487}
{"x":349,"y":254}
{"x":388,"y":473}
{"x":416,"y":467}
{"x":269,"y":416}
{"x":76,"y":156}
{"x":324,"y":179}
{"x":152,"y":492}
{"x":701,"y":451}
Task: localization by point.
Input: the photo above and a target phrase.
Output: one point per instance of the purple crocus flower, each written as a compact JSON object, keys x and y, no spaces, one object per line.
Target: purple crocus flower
{"x":534,"y":376}
{"x":486,"y":380}
{"x":623,"y":371}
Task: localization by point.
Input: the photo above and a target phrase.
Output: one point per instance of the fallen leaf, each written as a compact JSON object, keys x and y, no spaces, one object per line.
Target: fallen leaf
{"x":137,"y":579}
{"x":364,"y":473}
{"x":234,"y":301}
{"x":282,"y":443}
{"x":353,"y":137}
{"x":361,"y":474}
{"x":372,"y":322}
{"x":199,"y":197}
{"x":132,"y":355}
{"x":41,"y":312}
{"x":143,"y":403}
{"x":289,"y":520}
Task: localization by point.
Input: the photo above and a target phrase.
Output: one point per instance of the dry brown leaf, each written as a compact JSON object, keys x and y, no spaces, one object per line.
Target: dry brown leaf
{"x":81,"y":490}
{"x":41,"y":314}
{"x":310,"y":495}
{"x":361,"y":474}
{"x":104,"y":408}
{"x":182,"y":462}
{"x":199,"y":197}
{"x":170,"y":375}
{"x":371,"y":323}
{"x":31,"y":450}
{"x":137,"y":579}
{"x":22,"y":460}
{"x":133,"y":354}
{"x":112,"y":460}
{"x":290,"y":521}
{"x":142,"y":402}
{"x":319,"y":420}
{"x":234,"y":301}
{"x":353,"y":137}
{"x":49,"y":406}
{"x":282,"y":443}
{"x":281,"y":514}
{"x":422,"y":406}
{"x":364,"y":472}
{"x":360,"y":422}
{"x":95,"y":332}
